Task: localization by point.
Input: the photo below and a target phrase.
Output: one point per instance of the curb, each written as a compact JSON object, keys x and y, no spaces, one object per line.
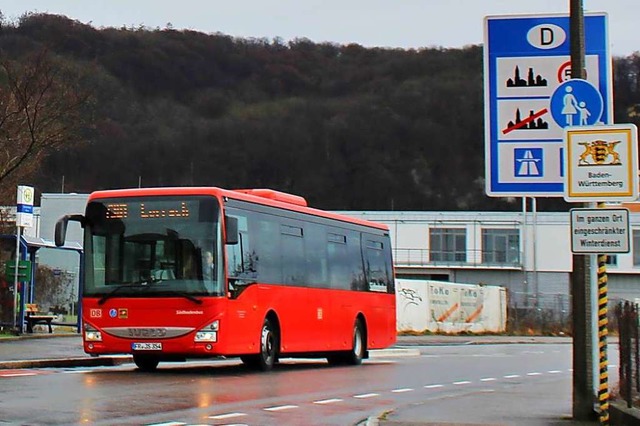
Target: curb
{"x":107,"y":361}
{"x":35,"y":336}
{"x":393,"y":352}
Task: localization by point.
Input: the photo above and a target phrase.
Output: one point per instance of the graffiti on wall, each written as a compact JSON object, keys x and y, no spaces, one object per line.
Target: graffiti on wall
{"x":449,"y":307}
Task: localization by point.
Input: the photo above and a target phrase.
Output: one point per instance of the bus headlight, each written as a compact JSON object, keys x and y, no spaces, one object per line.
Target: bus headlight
{"x":208,"y":333}
{"x":91,"y":334}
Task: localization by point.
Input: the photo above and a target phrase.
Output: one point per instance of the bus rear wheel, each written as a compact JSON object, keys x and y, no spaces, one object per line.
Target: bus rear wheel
{"x":358,"y":349}
{"x":357,"y":352}
{"x":269,"y":345}
{"x":145,"y":362}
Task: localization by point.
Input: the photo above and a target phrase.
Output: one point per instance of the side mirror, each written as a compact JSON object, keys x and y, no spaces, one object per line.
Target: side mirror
{"x":61,"y":227}
{"x":231,"y":230}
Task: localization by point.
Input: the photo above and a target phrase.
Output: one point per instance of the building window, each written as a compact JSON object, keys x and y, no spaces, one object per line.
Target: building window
{"x":448,"y":245}
{"x":501,"y":246}
{"x":636,"y":247}
{"x":612,"y":260}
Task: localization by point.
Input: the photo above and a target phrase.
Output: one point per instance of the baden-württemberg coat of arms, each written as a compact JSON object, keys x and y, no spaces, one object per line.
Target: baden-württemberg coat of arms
{"x":602,"y":153}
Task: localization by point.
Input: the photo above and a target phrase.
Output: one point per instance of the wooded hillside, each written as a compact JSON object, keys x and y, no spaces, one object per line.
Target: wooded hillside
{"x":346,"y":127}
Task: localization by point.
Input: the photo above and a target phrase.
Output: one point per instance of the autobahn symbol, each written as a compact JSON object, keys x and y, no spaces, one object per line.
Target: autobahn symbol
{"x":528,"y":162}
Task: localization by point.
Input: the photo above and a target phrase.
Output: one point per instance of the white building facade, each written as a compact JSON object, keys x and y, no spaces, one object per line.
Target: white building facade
{"x":528,"y":253}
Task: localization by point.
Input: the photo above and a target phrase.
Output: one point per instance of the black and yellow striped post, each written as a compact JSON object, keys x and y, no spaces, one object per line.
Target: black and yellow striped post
{"x":603,"y":386}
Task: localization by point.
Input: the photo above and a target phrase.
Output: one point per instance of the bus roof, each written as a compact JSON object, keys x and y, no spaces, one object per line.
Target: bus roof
{"x":263,"y":196}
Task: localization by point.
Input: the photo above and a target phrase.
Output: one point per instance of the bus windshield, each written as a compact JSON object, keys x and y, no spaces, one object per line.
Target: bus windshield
{"x":162,"y":246}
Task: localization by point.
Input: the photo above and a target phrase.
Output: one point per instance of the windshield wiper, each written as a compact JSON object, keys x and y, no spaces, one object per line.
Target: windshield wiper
{"x":109,"y":295}
{"x":183,"y":294}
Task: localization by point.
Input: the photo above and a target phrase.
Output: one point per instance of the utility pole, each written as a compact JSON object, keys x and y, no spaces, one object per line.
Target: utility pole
{"x":581,"y":305}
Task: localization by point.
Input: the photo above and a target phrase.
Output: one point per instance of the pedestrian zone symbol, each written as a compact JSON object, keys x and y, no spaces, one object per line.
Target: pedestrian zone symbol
{"x":528,"y":162}
{"x":576,"y":102}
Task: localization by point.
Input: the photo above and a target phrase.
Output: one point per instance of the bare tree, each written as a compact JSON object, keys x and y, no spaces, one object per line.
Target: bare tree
{"x":53,"y":288}
{"x":40,"y":109}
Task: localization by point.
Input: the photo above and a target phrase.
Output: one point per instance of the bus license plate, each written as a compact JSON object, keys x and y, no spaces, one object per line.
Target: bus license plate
{"x":146,"y":346}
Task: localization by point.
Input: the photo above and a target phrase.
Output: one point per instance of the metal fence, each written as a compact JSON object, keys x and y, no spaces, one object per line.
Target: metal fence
{"x":463,"y":258}
{"x":542,"y":313}
{"x":627,"y":319}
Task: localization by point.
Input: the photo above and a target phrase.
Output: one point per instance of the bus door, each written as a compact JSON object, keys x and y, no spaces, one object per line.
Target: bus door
{"x":242,"y":317}
{"x":346,"y":280}
{"x":379,"y":283}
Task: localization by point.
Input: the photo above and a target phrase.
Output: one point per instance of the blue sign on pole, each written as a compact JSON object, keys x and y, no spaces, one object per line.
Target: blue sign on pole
{"x":576,"y":103}
{"x":530,"y":99}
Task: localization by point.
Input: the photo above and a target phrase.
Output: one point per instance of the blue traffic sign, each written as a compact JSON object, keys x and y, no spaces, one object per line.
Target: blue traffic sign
{"x":530,"y":99}
{"x":576,"y":103}
{"x":529,"y":162}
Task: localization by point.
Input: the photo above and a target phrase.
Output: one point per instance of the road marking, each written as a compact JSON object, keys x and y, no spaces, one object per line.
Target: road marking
{"x":18,"y":374}
{"x":366,"y":395}
{"x":488,"y":379}
{"x":512,"y":376}
{"x":534,"y":374}
{"x":327,"y":401}
{"x":167,"y":424}
{"x":226,"y":416}
{"x":554,"y":371}
{"x":402,"y":390}
{"x":281,"y":408}
{"x":462,"y":382}
{"x":433,"y":386}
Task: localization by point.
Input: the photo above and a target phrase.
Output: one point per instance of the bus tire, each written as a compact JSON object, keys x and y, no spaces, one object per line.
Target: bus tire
{"x":358,"y":349}
{"x":145,"y":362}
{"x":269,"y":346}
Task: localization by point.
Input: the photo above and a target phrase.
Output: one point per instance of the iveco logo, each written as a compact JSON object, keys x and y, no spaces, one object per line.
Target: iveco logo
{"x":148,"y":333}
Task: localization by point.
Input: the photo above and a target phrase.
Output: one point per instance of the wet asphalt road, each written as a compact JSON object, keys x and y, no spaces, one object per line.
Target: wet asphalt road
{"x":523,"y":384}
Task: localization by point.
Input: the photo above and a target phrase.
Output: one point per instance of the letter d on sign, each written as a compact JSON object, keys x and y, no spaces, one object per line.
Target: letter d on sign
{"x":546,"y":36}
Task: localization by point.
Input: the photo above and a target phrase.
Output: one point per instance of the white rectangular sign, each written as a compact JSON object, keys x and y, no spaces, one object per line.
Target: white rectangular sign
{"x":601,"y":163}
{"x":24,"y":207}
{"x":599,"y":231}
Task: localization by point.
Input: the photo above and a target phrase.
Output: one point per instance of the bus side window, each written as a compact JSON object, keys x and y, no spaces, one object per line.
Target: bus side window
{"x":266,"y":230}
{"x":339,"y":270}
{"x":376,"y":268}
{"x":316,"y":253}
{"x":293,"y":257}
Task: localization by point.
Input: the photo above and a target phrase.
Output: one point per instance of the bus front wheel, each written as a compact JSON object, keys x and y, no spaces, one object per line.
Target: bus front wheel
{"x":146,"y":363}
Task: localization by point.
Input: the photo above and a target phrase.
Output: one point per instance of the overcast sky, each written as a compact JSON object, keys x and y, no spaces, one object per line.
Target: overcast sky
{"x":388,"y":23}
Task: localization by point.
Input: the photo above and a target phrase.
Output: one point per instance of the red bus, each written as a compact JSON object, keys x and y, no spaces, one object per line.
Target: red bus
{"x":171,"y":274}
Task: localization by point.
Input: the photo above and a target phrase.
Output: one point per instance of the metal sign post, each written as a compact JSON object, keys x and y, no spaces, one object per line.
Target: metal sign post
{"x":16,"y":309}
{"x":24,"y":218}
